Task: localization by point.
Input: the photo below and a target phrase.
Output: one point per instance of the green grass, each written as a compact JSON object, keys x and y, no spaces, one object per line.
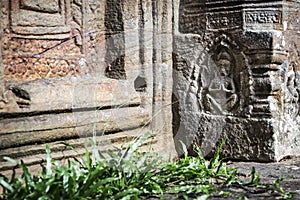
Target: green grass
{"x":130,"y":174}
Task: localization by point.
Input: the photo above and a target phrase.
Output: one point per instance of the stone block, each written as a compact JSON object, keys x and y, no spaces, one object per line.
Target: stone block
{"x":236,"y":71}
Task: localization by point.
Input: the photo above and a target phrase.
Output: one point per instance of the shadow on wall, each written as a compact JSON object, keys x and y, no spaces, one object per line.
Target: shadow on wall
{"x":115,"y":40}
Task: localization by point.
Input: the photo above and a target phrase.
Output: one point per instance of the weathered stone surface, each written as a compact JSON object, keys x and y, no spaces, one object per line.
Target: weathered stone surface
{"x":287,"y":169}
{"x":34,"y":154}
{"x":72,"y":70}
{"x":236,"y":77}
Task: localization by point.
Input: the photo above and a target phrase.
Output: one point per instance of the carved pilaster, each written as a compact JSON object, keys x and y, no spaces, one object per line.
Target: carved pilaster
{"x":246,"y":79}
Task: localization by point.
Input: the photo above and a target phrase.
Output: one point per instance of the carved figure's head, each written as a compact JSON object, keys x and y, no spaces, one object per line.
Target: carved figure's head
{"x":224,"y":62}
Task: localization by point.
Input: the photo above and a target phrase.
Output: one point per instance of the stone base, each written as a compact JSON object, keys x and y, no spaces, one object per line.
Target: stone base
{"x":246,"y":138}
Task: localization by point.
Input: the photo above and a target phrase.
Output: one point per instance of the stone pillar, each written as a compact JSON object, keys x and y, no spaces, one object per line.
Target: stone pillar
{"x":237,"y":77}
{"x":162,"y":73}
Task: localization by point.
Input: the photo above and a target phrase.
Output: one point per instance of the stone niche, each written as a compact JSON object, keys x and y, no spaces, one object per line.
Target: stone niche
{"x":236,"y":76}
{"x":81,"y":69}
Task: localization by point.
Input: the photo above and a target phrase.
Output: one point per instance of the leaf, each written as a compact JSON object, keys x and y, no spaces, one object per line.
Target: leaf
{"x":11,"y":160}
{"x":223,"y":193}
{"x":96,"y":153}
{"x":289,"y":196}
{"x":67,"y":145}
{"x":134,"y":146}
{"x":48,"y":161}
{"x":113,"y":155}
{"x":128,"y":194}
{"x":200,"y":155}
{"x":203,"y":197}
{"x":133,"y":175}
{"x":277,"y":186}
{"x":255,"y":179}
{"x":88,"y":158}
{"x":185,"y":151}
{"x":28,"y":179}
{"x":215,"y":160}
{"x":6,"y":185}
{"x":252,"y":174}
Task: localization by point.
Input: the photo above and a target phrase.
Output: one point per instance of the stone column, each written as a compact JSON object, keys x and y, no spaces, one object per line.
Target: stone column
{"x":162,"y":74}
{"x":240,"y":80}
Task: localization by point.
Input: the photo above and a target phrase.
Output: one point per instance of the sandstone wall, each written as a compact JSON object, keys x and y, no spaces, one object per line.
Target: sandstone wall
{"x":112,"y":70}
{"x":72,"y":70}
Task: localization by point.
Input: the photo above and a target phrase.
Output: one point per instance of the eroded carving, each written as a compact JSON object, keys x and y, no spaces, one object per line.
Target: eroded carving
{"x":192,"y":18}
{"x":50,"y":6}
{"x":292,"y":95}
{"x":28,"y":16}
{"x":14,"y":99}
{"x":221,"y":95}
{"x":44,"y":41}
{"x":224,"y":20}
{"x":263,"y":17}
{"x":35,"y":59}
{"x":252,"y":86}
{"x":78,"y":11}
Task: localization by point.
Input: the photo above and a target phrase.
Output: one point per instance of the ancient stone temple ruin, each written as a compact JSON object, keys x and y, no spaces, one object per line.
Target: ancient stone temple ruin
{"x":80,"y":69}
{"x":236,"y":66}
{"x":195,"y":71}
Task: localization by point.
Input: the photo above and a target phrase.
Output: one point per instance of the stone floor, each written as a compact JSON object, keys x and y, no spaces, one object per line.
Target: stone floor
{"x":289,"y":169}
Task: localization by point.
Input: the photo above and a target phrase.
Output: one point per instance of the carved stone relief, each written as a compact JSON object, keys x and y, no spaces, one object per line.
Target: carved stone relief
{"x":83,"y":68}
{"x":247,"y":82}
{"x":39,"y":41}
{"x":220,"y":21}
{"x":14,"y":99}
{"x":192,"y":18}
{"x":292,"y":96}
{"x":28,"y":16}
{"x":221,"y":95}
{"x":263,"y":17}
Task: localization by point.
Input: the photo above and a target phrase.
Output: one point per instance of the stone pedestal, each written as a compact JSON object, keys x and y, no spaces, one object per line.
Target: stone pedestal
{"x":236,"y":72}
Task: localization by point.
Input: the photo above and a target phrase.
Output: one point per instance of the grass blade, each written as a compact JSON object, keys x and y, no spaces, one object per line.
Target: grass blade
{"x":48,"y":162}
{"x":6,"y":185}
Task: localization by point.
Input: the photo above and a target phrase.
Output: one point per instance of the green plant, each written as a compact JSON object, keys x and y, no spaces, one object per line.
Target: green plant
{"x":197,"y":177}
{"x":120,"y":174}
{"x":126,"y":173}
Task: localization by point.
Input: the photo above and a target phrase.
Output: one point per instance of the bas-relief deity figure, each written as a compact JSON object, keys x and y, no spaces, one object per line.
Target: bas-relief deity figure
{"x":292,"y":96}
{"x":220,"y":96}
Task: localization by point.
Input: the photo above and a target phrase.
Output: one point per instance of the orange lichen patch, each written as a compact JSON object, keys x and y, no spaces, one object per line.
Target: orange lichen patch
{"x":37,"y":47}
{"x":20,"y":69}
{"x":106,"y":87}
{"x":28,"y":59}
{"x":33,"y":68}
